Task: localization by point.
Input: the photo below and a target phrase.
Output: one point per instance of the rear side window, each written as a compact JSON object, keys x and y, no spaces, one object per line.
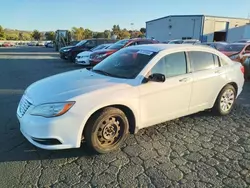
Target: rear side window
{"x":202,"y":61}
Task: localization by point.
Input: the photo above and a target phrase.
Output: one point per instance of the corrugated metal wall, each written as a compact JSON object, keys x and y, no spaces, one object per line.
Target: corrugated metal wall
{"x":214,"y":24}
{"x":174,"y":28}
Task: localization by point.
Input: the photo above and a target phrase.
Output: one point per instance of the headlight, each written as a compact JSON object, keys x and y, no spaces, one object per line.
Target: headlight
{"x":52,"y":109}
{"x":66,"y":50}
{"x":234,"y":56}
{"x":101,"y":56}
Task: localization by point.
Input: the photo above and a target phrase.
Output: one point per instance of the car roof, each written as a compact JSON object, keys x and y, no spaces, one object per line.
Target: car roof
{"x":139,"y":39}
{"x":161,"y":47}
{"x":238,"y":43}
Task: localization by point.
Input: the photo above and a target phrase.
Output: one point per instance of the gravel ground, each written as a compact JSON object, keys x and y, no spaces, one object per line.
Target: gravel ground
{"x":200,"y":150}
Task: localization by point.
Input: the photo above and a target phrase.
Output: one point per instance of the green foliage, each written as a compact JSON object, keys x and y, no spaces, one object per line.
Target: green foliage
{"x":124,"y":34}
{"x":78,"y":33}
{"x":143,"y":30}
{"x":36,"y":35}
{"x":75,"y":34}
{"x":2,"y":33}
{"x":99,"y":35}
{"x":50,"y":35}
{"x":116,"y":30}
{"x":26,"y":36}
{"x":88,"y":34}
{"x":12,"y":36}
{"x":107,"y":34}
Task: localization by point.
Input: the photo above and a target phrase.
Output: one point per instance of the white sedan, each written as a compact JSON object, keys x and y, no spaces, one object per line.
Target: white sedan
{"x":134,"y":88}
{"x":83,"y":57}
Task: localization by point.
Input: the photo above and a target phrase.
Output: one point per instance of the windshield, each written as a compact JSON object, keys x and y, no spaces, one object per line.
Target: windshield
{"x":126,"y":63}
{"x":118,"y":45}
{"x":81,"y":43}
{"x":98,"y":47}
{"x":232,"y":48}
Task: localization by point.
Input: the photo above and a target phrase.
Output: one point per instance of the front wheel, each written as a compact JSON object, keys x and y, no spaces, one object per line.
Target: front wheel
{"x":106,"y":130}
{"x":225,"y":101}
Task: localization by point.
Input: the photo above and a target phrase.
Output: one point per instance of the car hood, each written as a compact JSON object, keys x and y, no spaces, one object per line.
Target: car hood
{"x":229,"y":53}
{"x":66,"y":47}
{"x":105,"y":51}
{"x":65,"y":86}
{"x":85,"y":53}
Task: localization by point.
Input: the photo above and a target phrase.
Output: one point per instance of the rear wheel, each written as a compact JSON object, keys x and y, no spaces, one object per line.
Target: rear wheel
{"x":225,"y":101}
{"x":106,"y":130}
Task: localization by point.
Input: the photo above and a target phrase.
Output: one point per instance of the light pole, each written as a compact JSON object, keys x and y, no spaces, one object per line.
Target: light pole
{"x":132,"y":29}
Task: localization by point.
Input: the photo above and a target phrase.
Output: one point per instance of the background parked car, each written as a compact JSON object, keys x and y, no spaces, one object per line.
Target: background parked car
{"x":246,"y":65}
{"x":215,"y":45}
{"x":191,"y":41}
{"x":98,"y":56}
{"x":243,"y":41}
{"x":7,"y":44}
{"x":49,"y":44}
{"x":70,"y":52}
{"x":236,"y":51}
{"x":177,"y":41}
{"x":83,"y":57}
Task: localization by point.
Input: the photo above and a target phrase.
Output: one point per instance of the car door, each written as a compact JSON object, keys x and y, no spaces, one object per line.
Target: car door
{"x":160,"y":102}
{"x":209,"y":77}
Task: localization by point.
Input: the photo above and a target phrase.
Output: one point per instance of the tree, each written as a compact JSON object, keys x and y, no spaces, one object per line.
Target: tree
{"x":107,"y":34}
{"x":116,"y":30}
{"x":27,"y":36}
{"x":50,"y":35}
{"x":136,"y":34}
{"x":12,"y":36}
{"x":124,"y":34}
{"x":36,"y":35}
{"x":143,"y":30}
{"x":2,"y":33}
{"x":99,"y":35}
{"x":88,"y":34}
{"x":20,"y":36}
{"x":78,"y":33}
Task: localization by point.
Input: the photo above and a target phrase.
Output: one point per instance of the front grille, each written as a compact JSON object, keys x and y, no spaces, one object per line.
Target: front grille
{"x":23,"y":106}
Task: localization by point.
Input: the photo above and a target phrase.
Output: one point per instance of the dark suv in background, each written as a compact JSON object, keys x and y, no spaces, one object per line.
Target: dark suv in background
{"x":70,"y":52}
{"x":97,"y":56}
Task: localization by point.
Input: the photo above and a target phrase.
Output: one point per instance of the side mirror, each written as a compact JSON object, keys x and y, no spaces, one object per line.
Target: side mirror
{"x":157,"y":77}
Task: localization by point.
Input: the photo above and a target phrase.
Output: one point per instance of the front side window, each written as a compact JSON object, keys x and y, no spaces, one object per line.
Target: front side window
{"x":125,"y":63}
{"x":171,"y":65}
{"x":202,"y":60}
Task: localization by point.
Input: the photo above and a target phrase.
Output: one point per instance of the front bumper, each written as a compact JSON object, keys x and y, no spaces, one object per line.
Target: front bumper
{"x":51,"y":133}
{"x":82,"y":61}
{"x":94,"y":61}
{"x":63,"y":55}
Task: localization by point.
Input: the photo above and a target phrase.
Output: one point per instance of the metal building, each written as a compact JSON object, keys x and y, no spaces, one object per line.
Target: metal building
{"x":203,"y":27}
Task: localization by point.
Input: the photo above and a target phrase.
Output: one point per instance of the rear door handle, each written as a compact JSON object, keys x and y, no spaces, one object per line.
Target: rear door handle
{"x":184,"y":80}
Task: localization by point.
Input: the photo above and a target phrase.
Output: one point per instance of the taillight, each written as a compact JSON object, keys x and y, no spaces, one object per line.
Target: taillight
{"x":242,"y":69}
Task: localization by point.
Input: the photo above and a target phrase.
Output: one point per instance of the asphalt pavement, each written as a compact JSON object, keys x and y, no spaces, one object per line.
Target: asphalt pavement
{"x":200,"y":150}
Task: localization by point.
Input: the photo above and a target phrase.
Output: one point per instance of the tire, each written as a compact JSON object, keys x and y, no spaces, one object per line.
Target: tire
{"x":102,"y":132}
{"x":225,"y":101}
